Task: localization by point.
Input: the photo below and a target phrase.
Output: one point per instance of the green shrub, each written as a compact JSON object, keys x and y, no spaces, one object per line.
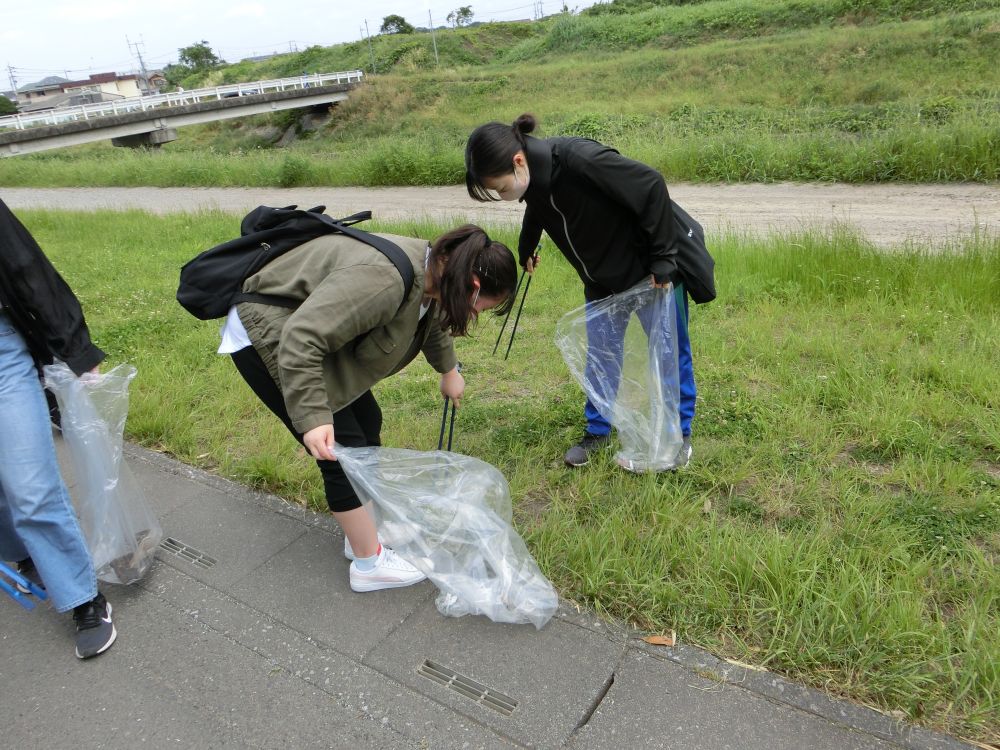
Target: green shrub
{"x":938,"y":109}
{"x":294,"y":171}
{"x":600,"y":127}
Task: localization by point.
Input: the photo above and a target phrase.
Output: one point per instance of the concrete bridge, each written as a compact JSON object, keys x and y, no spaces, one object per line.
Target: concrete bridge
{"x":153,"y":120}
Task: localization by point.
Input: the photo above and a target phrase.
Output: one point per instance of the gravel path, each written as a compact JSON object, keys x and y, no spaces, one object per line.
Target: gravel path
{"x":886,"y":214}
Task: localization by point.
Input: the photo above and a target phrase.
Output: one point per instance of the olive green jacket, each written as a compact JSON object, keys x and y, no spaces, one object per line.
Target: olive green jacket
{"x":349,"y":331}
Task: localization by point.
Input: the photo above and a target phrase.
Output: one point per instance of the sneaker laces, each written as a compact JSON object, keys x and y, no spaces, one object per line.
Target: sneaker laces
{"x":393,"y":561}
{"x":88,"y":615}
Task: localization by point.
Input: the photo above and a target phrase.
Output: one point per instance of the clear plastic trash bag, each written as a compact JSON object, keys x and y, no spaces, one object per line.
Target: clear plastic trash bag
{"x":623,"y":352}
{"x":450,"y":516}
{"x":121,"y":531}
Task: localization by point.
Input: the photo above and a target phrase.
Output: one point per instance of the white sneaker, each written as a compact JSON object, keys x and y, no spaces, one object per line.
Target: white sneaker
{"x":349,"y":550}
{"x":390,"y":572}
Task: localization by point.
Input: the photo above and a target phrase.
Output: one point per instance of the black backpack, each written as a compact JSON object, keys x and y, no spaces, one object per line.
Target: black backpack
{"x":212,"y":282}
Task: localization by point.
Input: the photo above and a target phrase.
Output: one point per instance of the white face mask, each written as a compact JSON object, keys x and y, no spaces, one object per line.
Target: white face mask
{"x":511,"y":186}
{"x":519,"y":185}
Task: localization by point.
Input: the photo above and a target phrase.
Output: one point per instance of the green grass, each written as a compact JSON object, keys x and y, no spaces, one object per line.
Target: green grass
{"x":894,"y":90}
{"x":840,"y":522}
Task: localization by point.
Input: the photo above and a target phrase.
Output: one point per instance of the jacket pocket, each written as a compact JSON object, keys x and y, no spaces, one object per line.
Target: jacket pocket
{"x":374,"y":346}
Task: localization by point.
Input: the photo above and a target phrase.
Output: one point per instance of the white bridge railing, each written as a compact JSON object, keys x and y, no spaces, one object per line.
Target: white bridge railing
{"x":173,"y":99}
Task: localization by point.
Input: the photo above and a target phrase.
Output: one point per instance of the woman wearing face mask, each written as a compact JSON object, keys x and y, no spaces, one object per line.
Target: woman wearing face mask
{"x":314,"y":366}
{"x":612,"y":219}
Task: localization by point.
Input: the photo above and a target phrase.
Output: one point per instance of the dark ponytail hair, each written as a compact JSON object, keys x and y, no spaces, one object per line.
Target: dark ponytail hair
{"x":490,"y":150}
{"x":468,"y":251}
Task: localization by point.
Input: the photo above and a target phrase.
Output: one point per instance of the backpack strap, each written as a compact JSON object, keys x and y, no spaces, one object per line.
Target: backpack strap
{"x":354,"y":218}
{"x":390,"y":250}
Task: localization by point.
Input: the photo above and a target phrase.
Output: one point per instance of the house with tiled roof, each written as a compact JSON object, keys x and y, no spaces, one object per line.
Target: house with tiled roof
{"x":40,"y":91}
{"x":54,"y":91}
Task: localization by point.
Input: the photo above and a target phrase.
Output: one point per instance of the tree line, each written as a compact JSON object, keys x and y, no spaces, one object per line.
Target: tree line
{"x":396,"y":24}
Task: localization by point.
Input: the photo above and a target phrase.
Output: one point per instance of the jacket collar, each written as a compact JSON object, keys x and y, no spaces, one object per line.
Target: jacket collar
{"x":539,"y":156}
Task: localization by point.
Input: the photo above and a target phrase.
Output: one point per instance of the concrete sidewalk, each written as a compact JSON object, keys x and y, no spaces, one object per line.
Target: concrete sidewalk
{"x":247,"y":635}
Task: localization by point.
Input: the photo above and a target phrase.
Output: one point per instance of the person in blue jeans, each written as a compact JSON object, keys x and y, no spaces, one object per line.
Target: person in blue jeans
{"x":613,"y":220}
{"x":41,"y":318}
{"x":606,"y":350}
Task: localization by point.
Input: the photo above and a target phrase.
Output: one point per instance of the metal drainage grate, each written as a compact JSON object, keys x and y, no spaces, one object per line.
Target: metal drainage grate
{"x":469,"y":688}
{"x":189,"y":554}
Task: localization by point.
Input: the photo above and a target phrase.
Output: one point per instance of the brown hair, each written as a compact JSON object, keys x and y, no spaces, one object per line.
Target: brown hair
{"x":490,"y":151}
{"x":467,"y":251}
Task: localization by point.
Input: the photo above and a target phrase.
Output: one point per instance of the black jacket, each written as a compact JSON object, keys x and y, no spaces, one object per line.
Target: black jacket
{"x":610,"y":216}
{"x":40,"y":304}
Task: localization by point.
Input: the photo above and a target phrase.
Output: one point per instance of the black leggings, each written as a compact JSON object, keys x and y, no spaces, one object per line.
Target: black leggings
{"x":356,"y":425}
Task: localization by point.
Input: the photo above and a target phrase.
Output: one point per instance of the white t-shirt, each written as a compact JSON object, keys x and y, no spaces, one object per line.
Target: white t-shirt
{"x":234,"y":335}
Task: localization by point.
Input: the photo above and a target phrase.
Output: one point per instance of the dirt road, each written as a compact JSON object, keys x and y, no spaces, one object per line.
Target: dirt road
{"x":887,"y":214}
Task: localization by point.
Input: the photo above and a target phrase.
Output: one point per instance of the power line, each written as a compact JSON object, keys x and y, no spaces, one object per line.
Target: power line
{"x":505,"y":10}
{"x":495,"y":11}
{"x":27,"y":72}
{"x":292,"y":44}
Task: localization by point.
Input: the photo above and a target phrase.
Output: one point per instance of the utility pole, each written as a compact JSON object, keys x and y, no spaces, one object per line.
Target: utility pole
{"x":142,"y":64}
{"x":13,"y":80}
{"x":430,"y":20}
{"x":371,"y":52}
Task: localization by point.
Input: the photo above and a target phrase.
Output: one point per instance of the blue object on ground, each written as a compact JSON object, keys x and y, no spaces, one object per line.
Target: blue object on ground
{"x":19,"y":580}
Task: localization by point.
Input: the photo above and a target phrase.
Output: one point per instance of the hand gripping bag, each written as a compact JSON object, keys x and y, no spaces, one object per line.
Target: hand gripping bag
{"x":450,"y":516}
{"x":121,"y":531}
{"x":623,"y":351}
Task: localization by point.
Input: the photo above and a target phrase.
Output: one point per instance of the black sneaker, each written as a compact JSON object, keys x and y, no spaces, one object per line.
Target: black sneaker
{"x":683,"y":455}
{"x":27,"y":569}
{"x":579,"y":454}
{"x":94,"y":630}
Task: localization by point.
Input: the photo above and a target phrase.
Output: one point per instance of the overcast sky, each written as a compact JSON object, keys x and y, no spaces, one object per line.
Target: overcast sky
{"x":73,"y":38}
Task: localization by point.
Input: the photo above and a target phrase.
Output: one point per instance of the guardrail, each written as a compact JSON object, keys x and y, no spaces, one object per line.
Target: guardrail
{"x":173,"y":99}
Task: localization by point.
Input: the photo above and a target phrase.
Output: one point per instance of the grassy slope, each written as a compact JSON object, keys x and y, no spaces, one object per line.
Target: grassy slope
{"x":840,"y":522}
{"x":855,"y":90}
